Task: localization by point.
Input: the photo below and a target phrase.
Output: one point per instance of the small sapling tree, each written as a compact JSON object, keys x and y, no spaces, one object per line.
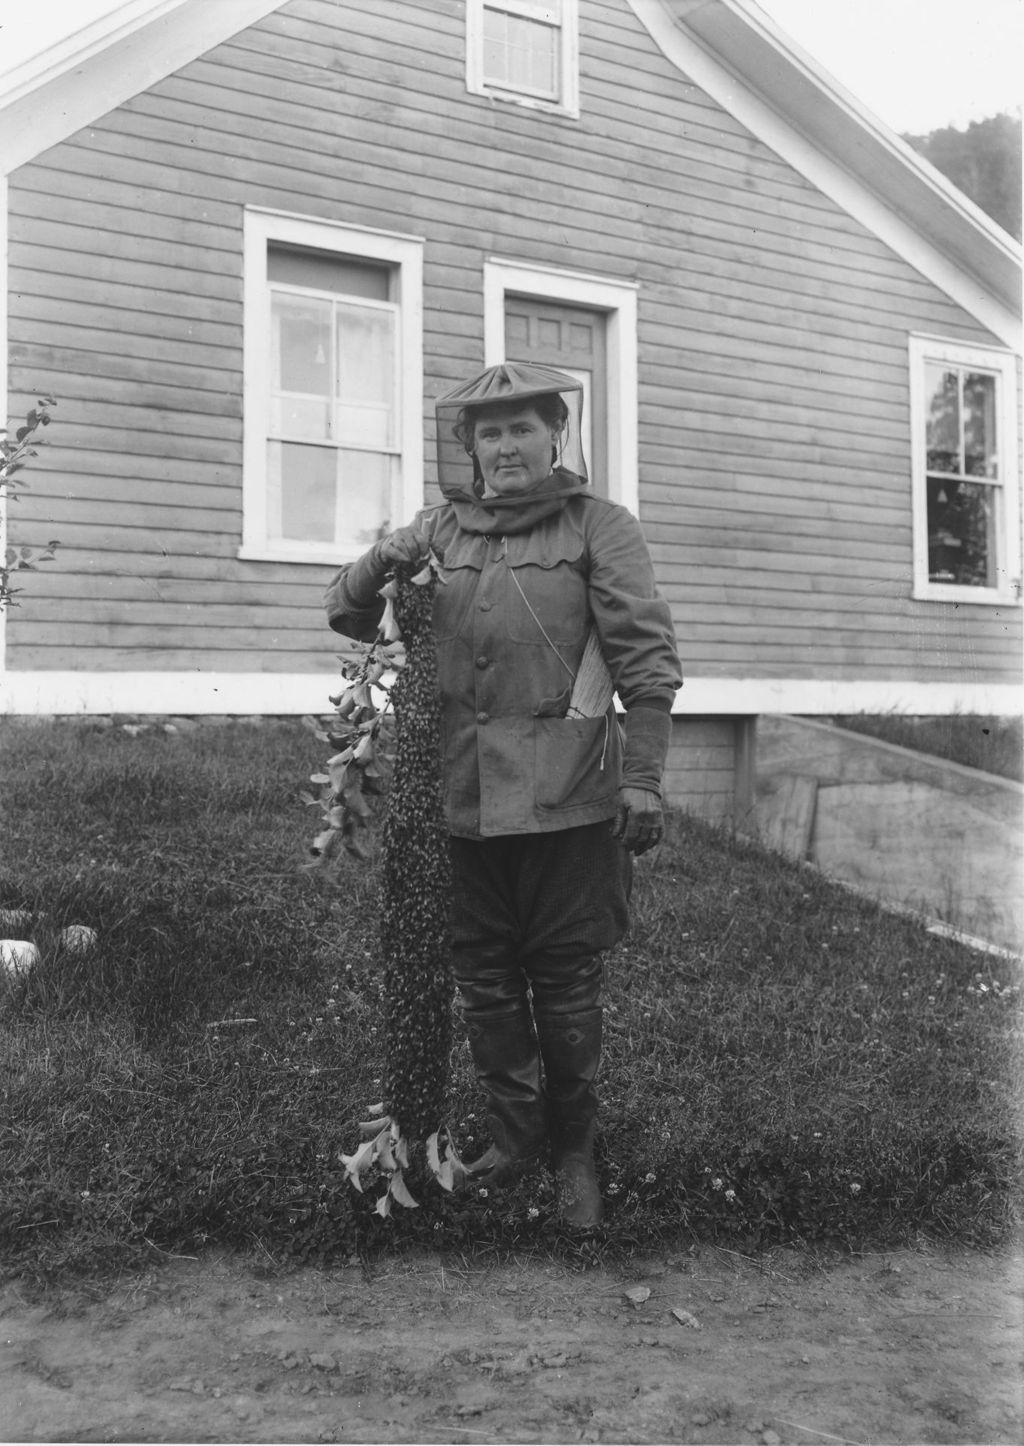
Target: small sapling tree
{"x":13,"y":456}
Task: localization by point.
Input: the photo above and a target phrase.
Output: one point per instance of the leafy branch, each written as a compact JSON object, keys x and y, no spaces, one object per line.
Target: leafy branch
{"x":362,"y":735}
{"x":13,"y":456}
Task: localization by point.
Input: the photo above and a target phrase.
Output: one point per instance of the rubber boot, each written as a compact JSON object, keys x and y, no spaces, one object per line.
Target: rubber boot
{"x":504,"y":1049}
{"x":570,"y":1044}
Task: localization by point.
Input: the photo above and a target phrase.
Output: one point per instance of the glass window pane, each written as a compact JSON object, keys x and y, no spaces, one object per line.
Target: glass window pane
{"x":302,"y":417}
{"x":366,"y":375}
{"x":301,"y":492}
{"x":942,"y":400}
{"x":301,"y":344}
{"x":364,"y":499}
{"x":961,"y":533}
{"x":980,"y":449}
{"x":495,"y":48}
{"x":520,"y":54}
{"x":328,"y":495}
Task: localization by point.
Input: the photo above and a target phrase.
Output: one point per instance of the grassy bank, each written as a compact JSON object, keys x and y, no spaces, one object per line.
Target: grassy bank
{"x":783,"y":1061}
{"x":976,"y":740}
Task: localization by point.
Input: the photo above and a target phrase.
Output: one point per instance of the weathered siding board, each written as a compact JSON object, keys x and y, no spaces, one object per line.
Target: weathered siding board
{"x":773,"y":326}
{"x":700,"y":774}
{"x":214,"y":658}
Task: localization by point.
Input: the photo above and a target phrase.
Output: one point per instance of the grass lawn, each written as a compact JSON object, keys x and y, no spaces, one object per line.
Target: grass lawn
{"x":784,"y":1061}
{"x":976,"y":740}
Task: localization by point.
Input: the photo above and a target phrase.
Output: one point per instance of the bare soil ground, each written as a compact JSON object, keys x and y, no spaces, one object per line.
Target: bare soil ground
{"x":902,"y":1347}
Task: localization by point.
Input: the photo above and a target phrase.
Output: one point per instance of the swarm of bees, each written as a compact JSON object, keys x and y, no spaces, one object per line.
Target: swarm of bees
{"x":402,"y":762}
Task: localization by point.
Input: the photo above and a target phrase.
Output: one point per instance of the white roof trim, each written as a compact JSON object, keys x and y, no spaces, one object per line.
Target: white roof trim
{"x":99,"y":67}
{"x":843,"y":150}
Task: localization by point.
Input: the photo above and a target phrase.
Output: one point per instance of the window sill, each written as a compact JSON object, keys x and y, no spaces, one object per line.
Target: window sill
{"x":967,"y":596}
{"x":531,"y":102}
{"x":272,"y":552}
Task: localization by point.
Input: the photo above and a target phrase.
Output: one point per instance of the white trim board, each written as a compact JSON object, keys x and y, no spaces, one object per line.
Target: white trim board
{"x":618,"y":301}
{"x":404,"y":254}
{"x":695,"y":62}
{"x":195,"y":693}
{"x":105,"y":64}
{"x":568,"y":102}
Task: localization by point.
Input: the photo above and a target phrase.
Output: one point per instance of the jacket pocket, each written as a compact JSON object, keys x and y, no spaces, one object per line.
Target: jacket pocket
{"x":576,"y":762}
{"x":454,"y":598}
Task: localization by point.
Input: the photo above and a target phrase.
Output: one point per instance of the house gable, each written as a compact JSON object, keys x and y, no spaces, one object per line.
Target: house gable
{"x":732,"y":50}
{"x":95,"y":70}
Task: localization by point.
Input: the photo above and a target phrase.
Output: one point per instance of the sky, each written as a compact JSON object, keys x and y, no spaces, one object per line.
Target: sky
{"x":918,"y":65}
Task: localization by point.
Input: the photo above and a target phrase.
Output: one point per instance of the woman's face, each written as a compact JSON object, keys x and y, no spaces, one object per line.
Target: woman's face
{"x":513,"y":446}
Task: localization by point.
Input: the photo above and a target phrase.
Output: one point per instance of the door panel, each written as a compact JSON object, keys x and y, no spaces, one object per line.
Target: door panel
{"x":573,"y":339}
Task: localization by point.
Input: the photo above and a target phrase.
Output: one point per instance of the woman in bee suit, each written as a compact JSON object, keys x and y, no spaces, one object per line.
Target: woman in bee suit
{"x":549,"y":605}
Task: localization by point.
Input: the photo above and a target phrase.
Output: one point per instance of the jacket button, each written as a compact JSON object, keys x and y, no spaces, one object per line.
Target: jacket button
{"x":483,"y":717}
{"x":482,"y":662}
{"x":486,"y":606}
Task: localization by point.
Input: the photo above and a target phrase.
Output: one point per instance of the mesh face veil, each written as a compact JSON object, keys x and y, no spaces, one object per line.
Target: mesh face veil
{"x":556,"y":396}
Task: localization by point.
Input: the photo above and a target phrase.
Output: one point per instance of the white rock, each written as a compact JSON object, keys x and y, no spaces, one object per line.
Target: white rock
{"x":18,"y":956}
{"x":78,"y":938}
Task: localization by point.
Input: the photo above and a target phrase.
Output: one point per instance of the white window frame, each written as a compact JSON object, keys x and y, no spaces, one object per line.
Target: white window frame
{"x":618,"y":301}
{"x":1006,"y":492}
{"x":568,"y":102}
{"x":404,"y":254}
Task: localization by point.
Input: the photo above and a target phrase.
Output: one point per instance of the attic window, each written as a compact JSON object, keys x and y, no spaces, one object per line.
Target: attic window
{"x":525,"y":52}
{"x":964,"y":473}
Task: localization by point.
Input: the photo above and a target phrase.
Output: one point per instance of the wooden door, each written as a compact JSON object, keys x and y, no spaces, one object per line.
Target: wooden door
{"x":571,"y":338}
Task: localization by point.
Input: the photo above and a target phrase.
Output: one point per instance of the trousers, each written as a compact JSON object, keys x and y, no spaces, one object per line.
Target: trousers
{"x":529,"y":909}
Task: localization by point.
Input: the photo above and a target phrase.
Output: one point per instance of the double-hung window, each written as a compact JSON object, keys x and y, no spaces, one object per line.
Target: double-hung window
{"x":963,"y":410}
{"x":524,"y":51}
{"x":333,"y":458}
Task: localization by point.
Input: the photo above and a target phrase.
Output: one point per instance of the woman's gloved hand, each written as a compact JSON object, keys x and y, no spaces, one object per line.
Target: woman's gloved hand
{"x":638,"y":822}
{"x":405,"y":544}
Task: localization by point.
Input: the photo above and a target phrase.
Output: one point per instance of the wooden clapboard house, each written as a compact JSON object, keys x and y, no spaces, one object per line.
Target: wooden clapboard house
{"x":248,"y":242}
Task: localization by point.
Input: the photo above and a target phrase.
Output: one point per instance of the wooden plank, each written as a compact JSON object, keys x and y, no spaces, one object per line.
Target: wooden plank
{"x":165,"y":616}
{"x":176,"y":491}
{"x":108,"y":637}
{"x":200,"y":360}
{"x":195,"y":569}
{"x":205,"y":657}
{"x":769,"y":505}
{"x":131,"y":382}
{"x":159,"y":240}
{"x":785,"y":815}
{"x":225,"y":587}
{"x":33,"y":275}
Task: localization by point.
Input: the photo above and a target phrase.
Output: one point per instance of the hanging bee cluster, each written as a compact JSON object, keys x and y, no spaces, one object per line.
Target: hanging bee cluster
{"x":415,"y":887}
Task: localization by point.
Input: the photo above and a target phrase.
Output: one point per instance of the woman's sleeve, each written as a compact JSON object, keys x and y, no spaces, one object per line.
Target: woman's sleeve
{"x":632,"y":618}
{"x":352,"y":597}
{"x":638,"y":640}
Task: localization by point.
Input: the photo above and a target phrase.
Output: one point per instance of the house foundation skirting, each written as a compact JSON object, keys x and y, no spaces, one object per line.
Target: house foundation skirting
{"x":207,"y":691}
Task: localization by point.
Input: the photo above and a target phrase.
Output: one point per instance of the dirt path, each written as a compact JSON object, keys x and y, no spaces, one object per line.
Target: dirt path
{"x":905,"y":1347}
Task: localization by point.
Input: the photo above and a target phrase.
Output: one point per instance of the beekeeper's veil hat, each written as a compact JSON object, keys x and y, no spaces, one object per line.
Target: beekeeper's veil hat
{"x":558,"y":398}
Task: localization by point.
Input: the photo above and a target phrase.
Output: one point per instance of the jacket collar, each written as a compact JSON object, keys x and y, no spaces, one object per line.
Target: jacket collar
{"x":503,"y":516}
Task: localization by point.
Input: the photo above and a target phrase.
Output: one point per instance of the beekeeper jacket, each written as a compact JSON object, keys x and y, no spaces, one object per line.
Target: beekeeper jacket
{"x":525,"y":579}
